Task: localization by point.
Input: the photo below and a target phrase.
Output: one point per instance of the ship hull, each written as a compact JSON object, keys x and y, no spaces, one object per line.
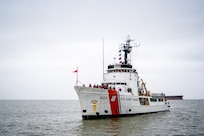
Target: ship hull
{"x":103,"y":103}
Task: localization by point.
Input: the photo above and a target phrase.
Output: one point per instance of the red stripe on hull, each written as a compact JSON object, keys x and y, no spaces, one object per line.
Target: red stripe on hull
{"x":113,"y":98}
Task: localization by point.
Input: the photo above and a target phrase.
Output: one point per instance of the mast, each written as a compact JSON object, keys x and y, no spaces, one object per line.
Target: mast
{"x":127,"y":48}
{"x":103,"y":59}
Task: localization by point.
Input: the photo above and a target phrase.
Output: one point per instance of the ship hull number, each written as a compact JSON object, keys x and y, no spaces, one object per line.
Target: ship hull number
{"x":103,"y":97}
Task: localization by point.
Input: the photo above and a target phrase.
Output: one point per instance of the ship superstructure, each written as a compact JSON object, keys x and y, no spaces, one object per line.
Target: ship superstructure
{"x":121,"y":93}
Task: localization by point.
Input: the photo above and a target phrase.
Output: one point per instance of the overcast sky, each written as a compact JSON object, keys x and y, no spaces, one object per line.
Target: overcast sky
{"x":43,"y":41}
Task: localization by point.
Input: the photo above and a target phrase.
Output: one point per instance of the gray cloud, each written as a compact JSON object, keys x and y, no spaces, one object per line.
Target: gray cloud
{"x":42,"y":42}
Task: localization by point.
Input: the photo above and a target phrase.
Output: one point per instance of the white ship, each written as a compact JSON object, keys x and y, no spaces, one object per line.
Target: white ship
{"x":121,"y":93}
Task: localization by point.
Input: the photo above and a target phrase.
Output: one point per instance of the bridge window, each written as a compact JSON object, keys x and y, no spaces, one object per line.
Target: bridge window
{"x":117,"y":83}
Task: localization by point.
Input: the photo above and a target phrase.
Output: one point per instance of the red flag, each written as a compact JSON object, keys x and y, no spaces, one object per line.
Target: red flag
{"x":75,"y":71}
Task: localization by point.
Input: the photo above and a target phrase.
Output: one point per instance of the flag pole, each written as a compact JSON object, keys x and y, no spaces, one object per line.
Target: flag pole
{"x":77,"y":77}
{"x":103,"y":59}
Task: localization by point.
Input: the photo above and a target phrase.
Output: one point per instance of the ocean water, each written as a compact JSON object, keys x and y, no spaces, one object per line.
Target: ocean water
{"x":63,"y":118}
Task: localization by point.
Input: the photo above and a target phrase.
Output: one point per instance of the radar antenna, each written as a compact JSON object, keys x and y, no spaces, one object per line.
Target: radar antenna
{"x":127,"y":48}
